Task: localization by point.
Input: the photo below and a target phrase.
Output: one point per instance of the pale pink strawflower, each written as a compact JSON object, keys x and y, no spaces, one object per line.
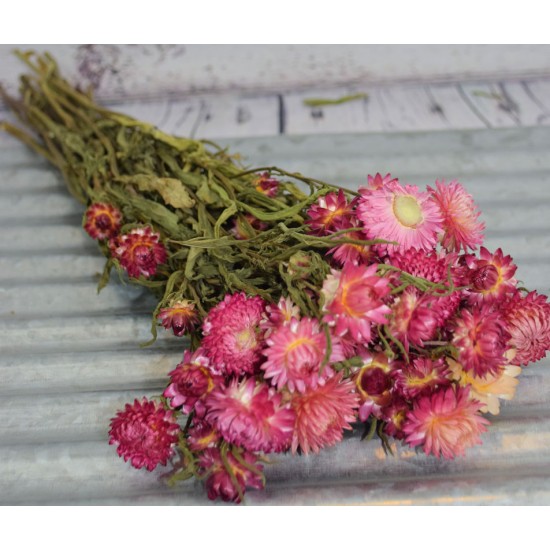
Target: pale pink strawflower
{"x":145,"y":434}
{"x":181,"y":316}
{"x":421,"y":376}
{"x":139,"y":251}
{"x":228,"y":478}
{"x":322,"y":414}
{"x":491,"y":275}
{"x":190,"y":382}
{"x":461,"y":227}
{"x":102,"y":221}
{"x":232,"y":335}
{"x":330,"y":213}
{"x":528,"y":323}
{"x":488,"y":390}
{"x":353,"y":300}
{"x":250,"y":414}
{"x":445,"y":423}
{"x":402,"y":215}
{"x":480,"y":337}
{"x":295,"y":353}
{"x":413,"y":320}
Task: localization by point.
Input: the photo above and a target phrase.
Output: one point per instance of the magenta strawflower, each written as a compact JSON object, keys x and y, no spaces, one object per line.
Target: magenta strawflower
{"x":250,"y":415}
{"x":278,"y":315}
{"x":445,"y":423}
{"x":413,"y":320}
{"x":232,"y":336}
{"x":181,"y":317}
{"x":102,"y":221}
{"x":373,"y":384}
{"x":246,"y":226}
{"x":528,"y":323}
{"x":394,"y":416}
{"x":353,"y":300}
{"x":190,"y":382}
{"x":267,"y":185}
{"x":330,"y":213}
{"x":145,"y":433}
{"x":402,"y":215}
{"x":323,"y":413}
{"x":420,"y":376}
{"x":491,"y":275}
{"x":201,"y":435}
{"x":461,"y":227}
{"x":480,"y":337}
{"x":139,"y":251}
{"x":228,"y":477}
{"x":295,"y":355}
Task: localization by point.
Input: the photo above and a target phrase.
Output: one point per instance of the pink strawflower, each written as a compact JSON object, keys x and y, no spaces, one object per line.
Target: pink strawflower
{"x":228,"y":477}
{"x":402,"y":215}
{"x":102,"y":221}
{"x":202,"y":436}
{"x":491,"y":275}
{"x":330,"y":213}
{"x":145,"y":433}
{"x":480,"y":337}
{"x":413,"y":320}
{"x":139,"y":252}
{"x":461,"y":227}
{"x":181,"y":317}
{"x":421,"y":376}
{"x":267,"y":185}
{"x":250,"y":415}
{"x":445,"y":423}
{"x":322,"y":414}
{"x":295,"y":355}
{"x":191,"y":381}
{"x":353,"y":300}
{"x":278,"y":315}
{"x":232,"y":336}
{"x":374,"y":385}
{"x":528,"y":322}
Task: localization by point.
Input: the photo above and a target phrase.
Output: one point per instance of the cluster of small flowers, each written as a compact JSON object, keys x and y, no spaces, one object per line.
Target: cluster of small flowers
{"x":416,"y":333}
{"x":139,"y":251}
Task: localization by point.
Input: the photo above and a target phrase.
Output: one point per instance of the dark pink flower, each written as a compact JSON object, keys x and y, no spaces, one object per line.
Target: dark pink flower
{"x":102,"y":221}
{"x":139,"y":252}
{"x":267,"y":185}
{"x":145,"y":433}
{"x":232,"y":335}
{"x":528,"y":323}
{"x":181,"y":317}
{"x":331,"y":213}
{"x":191,"y":381}
{"x":422,"y":375}
{"x":480,"y":337}
{"x":228,"y":478}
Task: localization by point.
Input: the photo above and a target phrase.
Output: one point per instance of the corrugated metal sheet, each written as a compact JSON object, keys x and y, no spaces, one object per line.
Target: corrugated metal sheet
{"x":70,"y":358}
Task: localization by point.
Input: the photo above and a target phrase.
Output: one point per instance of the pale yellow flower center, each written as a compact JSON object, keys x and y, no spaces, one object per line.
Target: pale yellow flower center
{"x":407,"y":210}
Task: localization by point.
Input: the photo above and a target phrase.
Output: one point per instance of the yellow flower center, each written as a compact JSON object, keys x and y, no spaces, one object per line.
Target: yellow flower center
{"x":407,"y":210}
{"x":245,"y":339}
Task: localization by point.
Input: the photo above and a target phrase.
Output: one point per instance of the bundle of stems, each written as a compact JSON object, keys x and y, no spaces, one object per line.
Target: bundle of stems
{"x":189,"y":190}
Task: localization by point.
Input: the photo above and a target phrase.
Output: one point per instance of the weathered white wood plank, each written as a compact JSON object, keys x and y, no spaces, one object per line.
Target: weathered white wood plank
{"x":490,"y":104}
{"x":528,"y":111}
